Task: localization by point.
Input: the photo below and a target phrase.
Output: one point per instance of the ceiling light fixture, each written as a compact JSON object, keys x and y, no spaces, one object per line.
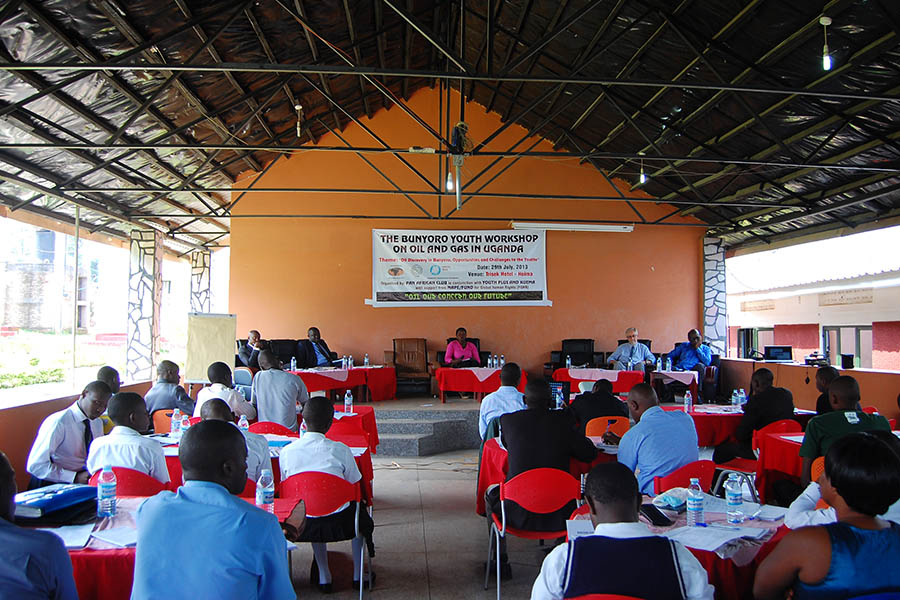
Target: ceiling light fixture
{"x":643,"y":178}
{"x":826,"y":56}
{"x":573,"y":227}
{"x":449,"y":181}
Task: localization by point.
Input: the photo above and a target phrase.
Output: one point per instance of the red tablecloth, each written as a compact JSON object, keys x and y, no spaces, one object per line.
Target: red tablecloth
{"x":712,"y":428}
{"x":669,"y":377}
{"x":494,"y":465}
{"x":779,"y":458}
{"x":365,"y":419}
{"x":465,"y":380}
{"x":625,"y":380}
{"x":380,"y":381}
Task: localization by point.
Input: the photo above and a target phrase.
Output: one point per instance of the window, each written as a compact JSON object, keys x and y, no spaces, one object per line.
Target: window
{"x":753,"y":340}
{"x":852,"y":340}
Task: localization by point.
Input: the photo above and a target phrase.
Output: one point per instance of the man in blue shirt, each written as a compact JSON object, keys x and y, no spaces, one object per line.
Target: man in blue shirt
{"x":33,"y":564}
{"x":632,"y":355}
{"x":507,"y":399}
{"x":660,"y":441}
{"x":204,"y":541}
{"x":691,"y":355}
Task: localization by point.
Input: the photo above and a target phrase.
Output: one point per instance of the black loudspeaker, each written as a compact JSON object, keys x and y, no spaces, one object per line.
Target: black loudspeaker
{"x":847,"y":361}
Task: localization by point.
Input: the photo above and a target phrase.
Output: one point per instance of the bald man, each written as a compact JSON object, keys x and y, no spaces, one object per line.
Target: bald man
{"x":277,"y":395}
{"x":258,"y":457}
{"x":660,"y":441}
{"x":124,"y":446}
{"x":166,"y":394}
{"x":219,"y":545}
{"x":59,"y":452}
{"x":33,"y":564}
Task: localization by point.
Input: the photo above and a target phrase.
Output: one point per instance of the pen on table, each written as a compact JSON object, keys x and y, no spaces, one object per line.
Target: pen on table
{"x":716,"y":526}
{"x":756,"y":514}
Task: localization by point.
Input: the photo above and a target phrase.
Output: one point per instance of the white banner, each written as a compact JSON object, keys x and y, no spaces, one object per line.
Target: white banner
{"x":458,"y":268}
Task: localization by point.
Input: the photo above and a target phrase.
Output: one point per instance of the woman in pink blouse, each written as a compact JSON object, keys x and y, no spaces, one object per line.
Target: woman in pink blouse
{"x":461,"y":353}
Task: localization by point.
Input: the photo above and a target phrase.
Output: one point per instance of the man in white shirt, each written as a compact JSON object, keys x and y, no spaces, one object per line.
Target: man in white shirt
{"x":314,"y":452}
{"x":258,"y":457}
{"x":124,"y":446}
{"x":278,"y":396}
{"x":221,"y":386}
{"x":507,"y":399}
{"x":615,"y":559}
{"x":61,"y":446}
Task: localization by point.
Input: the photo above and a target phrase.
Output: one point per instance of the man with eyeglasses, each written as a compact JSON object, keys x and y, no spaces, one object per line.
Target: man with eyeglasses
{"x":632,"y":355}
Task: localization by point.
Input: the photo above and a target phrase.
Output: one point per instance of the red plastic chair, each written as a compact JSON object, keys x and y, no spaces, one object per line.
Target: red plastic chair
{"x":893,"y":424}
{"x":539,"y":491}
{"x":746,"y":467}
{"x":323,"y":494}
{"x":871,"y":410}
{"x":249,"y":489}
{"x":194,"y":420}
{"x":262,"y":427}
{"x":681,"y":477}
{"x":130,"y":482}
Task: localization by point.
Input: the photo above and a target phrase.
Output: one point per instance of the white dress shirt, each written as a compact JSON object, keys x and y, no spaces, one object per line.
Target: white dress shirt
{"x":505,"y":400}
{"x":125,"y":447}
{"x":275,"y":394}
{"x":258,"y":457}
{"x":58,"y":452}
{"x":315,"y":452}
{"x":550,"y":582}
{"x":803,"y":511}
{"x":233,"y":398}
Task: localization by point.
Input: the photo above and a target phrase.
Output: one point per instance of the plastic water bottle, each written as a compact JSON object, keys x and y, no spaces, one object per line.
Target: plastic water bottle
{"x":350,"y":362}
{"x":366,"y":360}
{"x":344,"y":361}
{"x":244,"y":424}
{"x":743,"y":396}
{"x":659,"y":364}
{"x":630,"y":365}
{"x":106,"y":493}
{"x":502,"y":361}
{"x":668,"y":364}
{"x":695,"y":504}
{"x":568,"y":362}
{"x":185,"y":424}
{"x":348,"y":402}
{"x":688,"y":402}
{"x":293,"y":363}
{"x":175,"y":427}
{"x":265,"y":491}
{"x":734,"y":499}
{"x":303,"y":427}
{"x":735,"y":401}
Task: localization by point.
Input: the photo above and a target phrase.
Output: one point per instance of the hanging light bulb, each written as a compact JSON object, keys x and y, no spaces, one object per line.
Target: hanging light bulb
{"x":449,"y":182}
{"x":826,"y":55}
{"x":643,"y":178}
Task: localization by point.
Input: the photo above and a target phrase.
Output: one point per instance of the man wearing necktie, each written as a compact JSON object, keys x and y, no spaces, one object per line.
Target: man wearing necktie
{"x":60,"y":449}
{"x":632,"y":353}
{"x":313,"y":352}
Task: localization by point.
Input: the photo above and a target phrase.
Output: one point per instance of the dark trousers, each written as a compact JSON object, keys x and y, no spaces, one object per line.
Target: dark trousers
{"x":466,"y":363}
{"x":729,"y":450}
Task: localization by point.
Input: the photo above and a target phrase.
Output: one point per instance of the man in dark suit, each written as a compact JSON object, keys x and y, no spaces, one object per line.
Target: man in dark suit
{"x":599,"y":402}
{"x":767,"y":404}
{"x":313,"y":352}
{"x":534,"y":438}
{"x":248,"y":353}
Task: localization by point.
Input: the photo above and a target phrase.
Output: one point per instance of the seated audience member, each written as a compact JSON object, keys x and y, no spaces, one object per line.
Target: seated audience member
{"x":536,"y":438}
{"x":824,"y":376}
{"x":166,"y":394}
{"x":461,"y":353}
{"x":803,"y":511}
{"x":33,"y":564}
{"x":110,"y":377}
{"x":599,"y":402}
{"x":277,"y":395}
{"x":506,"y":399}
{"x":248,"y":353}
{"x":766,"y":405}
{"x":315,"y":452}
{"x":613,"y":560}
{"x":124,"y":446}
{"x":691,"y":355}
{"x":60,"y":450}
{"x":633,"y":352}
{"x":822,"y":431}
{"x":222,"y":387}
{"x":660,"y":441}
{"x":313,"y":352}
{"x":855,"y":556}
{"x":203,"y":541}
{"x":258,"y":457}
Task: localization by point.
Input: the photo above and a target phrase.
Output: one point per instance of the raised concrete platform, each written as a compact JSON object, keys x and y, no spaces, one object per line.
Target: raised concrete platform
{"x":424,"y":426}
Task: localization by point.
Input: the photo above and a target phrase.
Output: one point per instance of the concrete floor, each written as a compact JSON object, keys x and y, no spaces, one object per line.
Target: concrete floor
{"x":429,"y":542}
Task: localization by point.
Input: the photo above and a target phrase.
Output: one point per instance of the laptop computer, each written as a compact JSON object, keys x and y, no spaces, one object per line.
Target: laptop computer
{"x":782,"y":354}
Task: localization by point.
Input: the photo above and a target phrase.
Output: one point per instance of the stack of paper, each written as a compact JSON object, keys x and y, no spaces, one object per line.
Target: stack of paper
{"x":712,"y":536}
{"x":123,"y":537}
{"x":73,"y":536}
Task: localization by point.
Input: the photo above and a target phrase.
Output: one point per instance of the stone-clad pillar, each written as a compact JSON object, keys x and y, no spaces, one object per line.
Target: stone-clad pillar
{"x":715,"y":324}
{"x":144,"y":293}
{"x":200,"y":300}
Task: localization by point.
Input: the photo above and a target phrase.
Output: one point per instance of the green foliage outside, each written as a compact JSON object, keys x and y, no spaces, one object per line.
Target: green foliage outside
{"x":11,"y":380}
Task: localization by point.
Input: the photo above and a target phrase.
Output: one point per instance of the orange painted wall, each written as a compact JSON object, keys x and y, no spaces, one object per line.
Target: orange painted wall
{"x":19,"y":426}
{"x":288,"y":274}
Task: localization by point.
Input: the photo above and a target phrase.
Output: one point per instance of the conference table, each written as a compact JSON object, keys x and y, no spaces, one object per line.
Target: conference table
{"x":495,"y":464}
{"x":477,"y":380}
{"x":717,"y":423}
{"x":688,"y":378}
{"x":380,"y":381}
{"x":103,"y":571}
{"x":622,"y":381}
